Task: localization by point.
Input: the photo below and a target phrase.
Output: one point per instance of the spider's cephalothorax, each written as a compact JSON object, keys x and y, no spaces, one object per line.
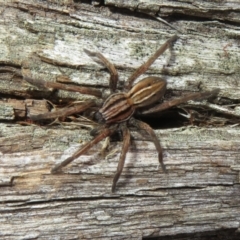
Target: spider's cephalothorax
{"x":117,"y":112}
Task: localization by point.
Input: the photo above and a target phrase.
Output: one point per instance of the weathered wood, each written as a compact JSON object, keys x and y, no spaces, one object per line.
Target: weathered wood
{"x":45,"y":40}
{"x":14,"y":109}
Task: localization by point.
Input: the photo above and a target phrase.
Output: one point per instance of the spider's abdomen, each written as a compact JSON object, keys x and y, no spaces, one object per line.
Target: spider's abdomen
{"x":147,"y":91}
{"x":117,"y":108}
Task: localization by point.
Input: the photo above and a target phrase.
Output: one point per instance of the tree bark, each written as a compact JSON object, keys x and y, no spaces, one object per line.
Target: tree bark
{"x":46,"y":40}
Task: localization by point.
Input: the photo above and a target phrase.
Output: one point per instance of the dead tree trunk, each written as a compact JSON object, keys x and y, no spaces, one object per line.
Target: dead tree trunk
{"x":199,"y":194}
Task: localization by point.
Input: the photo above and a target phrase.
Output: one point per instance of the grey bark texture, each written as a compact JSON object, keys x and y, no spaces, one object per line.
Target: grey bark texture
{"x":46,"y":40}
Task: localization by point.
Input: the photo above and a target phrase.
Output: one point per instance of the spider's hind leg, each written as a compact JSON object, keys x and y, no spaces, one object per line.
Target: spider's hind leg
{"x":126,"y":143}
{"x":105,"y":132}
{"x":150,"y":131}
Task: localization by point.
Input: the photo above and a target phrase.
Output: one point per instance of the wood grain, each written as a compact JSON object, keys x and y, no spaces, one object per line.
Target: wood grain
{"x":46,"y":40}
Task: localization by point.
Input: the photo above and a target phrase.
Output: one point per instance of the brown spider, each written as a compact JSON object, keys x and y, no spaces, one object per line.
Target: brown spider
{"x":118,"y":109}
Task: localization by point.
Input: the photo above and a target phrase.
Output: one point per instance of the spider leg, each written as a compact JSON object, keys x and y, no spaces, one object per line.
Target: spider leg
{"x":105,"y":133}
{"x":150,"y":131}
{"x":126,"y":143}
{"x":144,"y":67}
{"x":63,"y":112}
{"x":174,"y":102}
{"x":68,"y":87}
{"x":111,"y":68}
{"x":44,"y":84}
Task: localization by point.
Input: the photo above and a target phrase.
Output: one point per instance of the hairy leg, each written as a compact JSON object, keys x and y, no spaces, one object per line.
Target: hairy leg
{"x":174,"y":102}
{"x":103,"y":134}
{"x":68,"y":87}
{"x":143,"y":68}
{"x":64,"y":112}
{"x":150,"y":131}
{"x":126,"y":143}
{"x":44,"y":84}
{"x":113,"y":72}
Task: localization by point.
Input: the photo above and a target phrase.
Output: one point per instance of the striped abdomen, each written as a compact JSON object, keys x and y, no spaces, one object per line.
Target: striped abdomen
{"x":120,"y":107}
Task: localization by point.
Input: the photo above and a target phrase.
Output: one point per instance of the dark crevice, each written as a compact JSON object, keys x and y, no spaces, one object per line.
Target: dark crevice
{"x":164,"y":120}
{"x":83,"y":1}
{"x":172,"y":118}
{"x":175,"y":16}
{"x":200,"y":18}
{"x":195,"y":18}
{"x":221,"y":234}
{"x":73,"y":199}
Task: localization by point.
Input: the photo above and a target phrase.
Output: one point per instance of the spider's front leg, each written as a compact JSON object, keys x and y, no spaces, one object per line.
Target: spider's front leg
{"x":144,"y":67}
{"x":111,"y":68}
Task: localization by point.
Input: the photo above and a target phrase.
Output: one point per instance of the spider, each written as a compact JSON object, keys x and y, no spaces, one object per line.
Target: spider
{"x":117,"y":111}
